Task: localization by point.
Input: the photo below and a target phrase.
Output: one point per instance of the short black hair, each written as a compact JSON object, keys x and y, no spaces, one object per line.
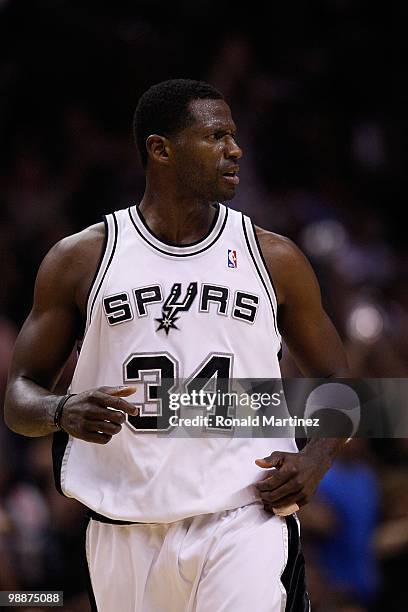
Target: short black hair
{"x":163,"y":109}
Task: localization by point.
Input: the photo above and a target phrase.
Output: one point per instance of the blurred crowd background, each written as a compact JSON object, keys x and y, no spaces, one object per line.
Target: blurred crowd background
{"x":317,"y":92}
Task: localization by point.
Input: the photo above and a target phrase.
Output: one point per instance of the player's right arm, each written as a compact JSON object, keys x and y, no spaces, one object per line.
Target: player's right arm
{"x":46,"y":341}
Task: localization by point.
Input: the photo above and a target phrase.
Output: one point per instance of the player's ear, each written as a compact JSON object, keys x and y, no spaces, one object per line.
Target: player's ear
{"x":158,"y":148}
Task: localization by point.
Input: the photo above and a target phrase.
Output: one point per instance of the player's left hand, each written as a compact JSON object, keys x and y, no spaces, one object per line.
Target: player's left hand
{"x":294,"y":479}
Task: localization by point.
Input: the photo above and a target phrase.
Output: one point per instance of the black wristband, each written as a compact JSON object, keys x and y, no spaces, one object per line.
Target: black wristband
{"x":59,"y":409}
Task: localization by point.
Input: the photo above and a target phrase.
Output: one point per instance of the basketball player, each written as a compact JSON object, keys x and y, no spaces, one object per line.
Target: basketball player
{"x":177,"y":287}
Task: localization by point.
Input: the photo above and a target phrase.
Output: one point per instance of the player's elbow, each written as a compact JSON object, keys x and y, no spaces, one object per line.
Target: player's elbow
{"x":9,"y":414}
{"x":24,"y":413}
{"x":12,"y":412}
{"x":14,"y":423}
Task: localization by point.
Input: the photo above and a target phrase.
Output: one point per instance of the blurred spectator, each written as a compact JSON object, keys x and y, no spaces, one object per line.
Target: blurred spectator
{"x":391,"y":542}
{"x":343,"y":518}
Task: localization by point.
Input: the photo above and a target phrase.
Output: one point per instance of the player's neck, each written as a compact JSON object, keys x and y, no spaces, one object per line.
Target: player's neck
{"x":175,"y":219}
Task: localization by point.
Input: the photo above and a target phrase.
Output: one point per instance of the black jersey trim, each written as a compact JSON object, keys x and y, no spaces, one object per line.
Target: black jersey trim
{"x":259,"y":274}
{"x":293,"y":577}
{"x":95,"y":276}
{"x":59,"y":445}
{"x":264,"y":262}
{"x":101,"y":258}
{"x":269,"y":276}
{"x":107,"y":265}
{"x":95,"y":516}
{"x":196,"y":252}
{"x":181,"y":246}
{"x":87,"y":571}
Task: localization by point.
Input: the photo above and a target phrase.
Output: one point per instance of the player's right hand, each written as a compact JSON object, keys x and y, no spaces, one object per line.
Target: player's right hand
{"x":98,"y":414}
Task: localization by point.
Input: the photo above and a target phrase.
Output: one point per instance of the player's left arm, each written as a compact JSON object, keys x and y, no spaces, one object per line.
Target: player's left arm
{"x":318,"y":352}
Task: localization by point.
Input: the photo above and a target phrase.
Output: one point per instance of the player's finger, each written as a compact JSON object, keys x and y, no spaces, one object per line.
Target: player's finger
{"x":276,"y":480}
{"x":280,"y":489}
{"x":281,"y":499}
{"x":291,"y":501}
{"x":115,"y":416}
{"x":263,"y":463}
{"x":100,"y":413}
{"x":97,"y":438}
{"x":116,"y":402}
{"x":121,"y":391}
{"x":274,"y":460}
{"x":103,"y":427}
{"x":286,"y":510}
{"x":283,"y":511}
{"x":300,"y":501}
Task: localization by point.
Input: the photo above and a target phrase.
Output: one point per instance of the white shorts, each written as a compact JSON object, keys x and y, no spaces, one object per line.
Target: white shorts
{"x":233,"y":561}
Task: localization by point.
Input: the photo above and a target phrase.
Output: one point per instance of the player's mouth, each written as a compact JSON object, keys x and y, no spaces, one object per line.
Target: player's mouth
{"x":231,"y":176}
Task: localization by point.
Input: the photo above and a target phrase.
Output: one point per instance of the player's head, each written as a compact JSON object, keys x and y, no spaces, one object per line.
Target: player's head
{"x":184,"y":128}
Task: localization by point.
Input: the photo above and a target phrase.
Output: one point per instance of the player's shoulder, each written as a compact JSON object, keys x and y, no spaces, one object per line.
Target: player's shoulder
{"x":277,"y":248}
{"x":77,"y":252}
{"x":81,"y":243}
{"x":73,"y":259}
{"x":286,"y":263}
{"x":288,"y":266}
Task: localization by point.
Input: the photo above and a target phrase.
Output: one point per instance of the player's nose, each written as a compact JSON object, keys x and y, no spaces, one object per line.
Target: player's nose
{"x":233,"y":150}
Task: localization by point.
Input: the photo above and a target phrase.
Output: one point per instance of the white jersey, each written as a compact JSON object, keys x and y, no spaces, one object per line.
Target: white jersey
{"x":160,"y":315}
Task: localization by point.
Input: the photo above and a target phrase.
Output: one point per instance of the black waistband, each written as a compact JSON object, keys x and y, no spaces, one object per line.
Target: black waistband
{"x":104,"y":519}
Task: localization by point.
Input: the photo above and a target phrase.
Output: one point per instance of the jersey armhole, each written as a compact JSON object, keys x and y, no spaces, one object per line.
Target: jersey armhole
{"x":108,"y":251}
{"x":258,"y":260}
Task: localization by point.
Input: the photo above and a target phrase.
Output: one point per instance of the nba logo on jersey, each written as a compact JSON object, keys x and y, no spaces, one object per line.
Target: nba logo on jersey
{"x":232,"y":258}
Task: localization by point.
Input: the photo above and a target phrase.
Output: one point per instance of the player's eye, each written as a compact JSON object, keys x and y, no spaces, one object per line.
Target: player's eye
{"x":220,"y":134}
{"x":217,"y":135}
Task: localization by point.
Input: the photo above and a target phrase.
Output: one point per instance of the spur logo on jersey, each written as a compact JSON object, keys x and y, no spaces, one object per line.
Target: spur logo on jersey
{"x":213,"y":299}
{"x":173,"y":305}
{"x":232,"y":258}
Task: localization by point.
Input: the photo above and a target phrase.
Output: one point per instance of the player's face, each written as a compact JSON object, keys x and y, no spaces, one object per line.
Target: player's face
{"x":206,"y":154}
